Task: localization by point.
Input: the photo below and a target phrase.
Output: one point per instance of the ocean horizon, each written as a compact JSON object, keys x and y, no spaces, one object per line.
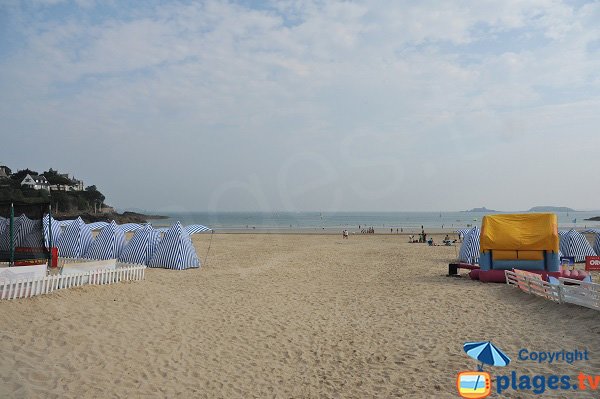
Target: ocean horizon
{"x":357,"y":220}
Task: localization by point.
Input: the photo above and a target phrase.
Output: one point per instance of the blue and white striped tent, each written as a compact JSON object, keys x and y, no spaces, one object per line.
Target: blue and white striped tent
{"x":141,"y":247}
{"x":4,"y":234}
{"x":469,"y":250}
{"x":65,"y":223}
{"x":56,"y":230}
{"x":27,"y":232}
{"x":196,"y":228}
{"x":462,"y":232}
{"x":596,"y":233}
{"x":96,"y":225}
{"x":108,"y":243}
{"x":562,"y":242}
{"x":74,"y":240}
{"x":573,"y":243}
{"x":128,"y":227}
{"x":175,"y":250}
{"x":591,"y":231}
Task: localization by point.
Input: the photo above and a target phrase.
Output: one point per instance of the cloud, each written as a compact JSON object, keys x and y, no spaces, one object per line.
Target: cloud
{"x":373,"y":97}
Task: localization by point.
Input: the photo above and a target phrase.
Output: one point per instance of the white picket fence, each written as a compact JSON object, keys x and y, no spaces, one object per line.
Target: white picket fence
{"x":580,"y":293}
{"x":39,"y":286}
{"x":533,"y":284}
{"x":566,"y":291}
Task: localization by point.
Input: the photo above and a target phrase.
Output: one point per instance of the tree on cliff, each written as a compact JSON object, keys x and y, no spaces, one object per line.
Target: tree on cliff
{"x":54,"y":178}
{"x":20,"y":175}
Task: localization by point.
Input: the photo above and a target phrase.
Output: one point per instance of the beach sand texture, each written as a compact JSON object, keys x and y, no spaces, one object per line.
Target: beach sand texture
{"x":284,"y":316}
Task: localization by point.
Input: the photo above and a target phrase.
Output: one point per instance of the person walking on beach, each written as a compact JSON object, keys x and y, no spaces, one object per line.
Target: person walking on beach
{"x":345,"y":234}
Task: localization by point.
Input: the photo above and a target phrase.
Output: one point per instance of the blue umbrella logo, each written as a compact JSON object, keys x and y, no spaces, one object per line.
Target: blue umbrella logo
{"x":486,"y":353}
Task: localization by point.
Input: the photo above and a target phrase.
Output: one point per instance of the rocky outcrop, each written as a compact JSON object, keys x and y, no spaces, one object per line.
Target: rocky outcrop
{"x":120,"y":218}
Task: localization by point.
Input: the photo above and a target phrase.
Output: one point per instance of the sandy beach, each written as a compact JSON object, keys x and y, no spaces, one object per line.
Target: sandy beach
{"x":285,"y":316}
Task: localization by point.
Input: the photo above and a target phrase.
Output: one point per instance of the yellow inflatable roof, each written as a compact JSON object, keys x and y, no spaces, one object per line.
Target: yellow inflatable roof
{"x":520,"y":232}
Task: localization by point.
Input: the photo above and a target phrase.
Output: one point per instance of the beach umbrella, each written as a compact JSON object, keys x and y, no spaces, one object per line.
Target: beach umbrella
{"x":486,"y":353}
{"x":108,"y":244}
{"x":141,"y":247}
{"x":175,"y":250}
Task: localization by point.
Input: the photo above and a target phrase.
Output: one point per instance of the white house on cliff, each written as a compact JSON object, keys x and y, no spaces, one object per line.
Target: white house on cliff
{"x":37,"y":182}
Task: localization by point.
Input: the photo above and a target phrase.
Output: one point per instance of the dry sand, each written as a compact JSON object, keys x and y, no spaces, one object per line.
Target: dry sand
{"x":284,"y":316}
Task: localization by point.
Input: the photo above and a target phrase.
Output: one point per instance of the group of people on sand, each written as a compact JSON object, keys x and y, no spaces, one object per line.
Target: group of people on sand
{"x":423,"y":238}
{"x":369,"y":230}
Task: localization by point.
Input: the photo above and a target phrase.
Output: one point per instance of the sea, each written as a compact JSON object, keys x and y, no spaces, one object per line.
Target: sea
{"x":407,"y":221}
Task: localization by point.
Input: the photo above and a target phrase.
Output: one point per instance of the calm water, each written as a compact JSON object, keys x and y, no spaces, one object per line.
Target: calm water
{"x":312,"y":220}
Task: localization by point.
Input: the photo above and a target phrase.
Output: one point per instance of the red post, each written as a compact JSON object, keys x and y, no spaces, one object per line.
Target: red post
{"x":54,"y":262}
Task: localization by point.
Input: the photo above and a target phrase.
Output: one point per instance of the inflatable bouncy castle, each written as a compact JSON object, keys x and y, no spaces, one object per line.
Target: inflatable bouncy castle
{"x":518,"y":241}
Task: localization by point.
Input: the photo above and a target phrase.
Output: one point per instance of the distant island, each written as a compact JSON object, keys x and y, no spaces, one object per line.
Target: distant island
{"x":482,"y":209}
{"x":551,"y":209}
{"x":595,"y":219}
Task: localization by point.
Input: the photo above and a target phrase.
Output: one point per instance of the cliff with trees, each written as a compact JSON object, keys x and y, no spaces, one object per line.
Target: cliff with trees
{"x":67,"y":195}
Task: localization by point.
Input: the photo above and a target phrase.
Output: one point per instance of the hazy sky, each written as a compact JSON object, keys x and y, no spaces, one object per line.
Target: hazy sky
{"x":307,"y":105}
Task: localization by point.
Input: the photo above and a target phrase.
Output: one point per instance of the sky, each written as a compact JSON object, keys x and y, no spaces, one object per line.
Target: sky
{"x":307,"y":105}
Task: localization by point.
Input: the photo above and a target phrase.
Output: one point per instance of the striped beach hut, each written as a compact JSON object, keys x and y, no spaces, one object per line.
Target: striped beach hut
{"x":108,"y":243}
{"x":65,"y":223}
{"x":28,"y":232}
{"x":141,"y":247}
{"x":128,"y":227}
{"x":469,"y":250}
{"x":562,"y":241}
{"x":596,"y":233}
{"x":573,"y":243}
{"x":4,"y":234}
{"x":56,"y":230}
{"x":462,"y":232}
{"x":175,"y":250}
{"x":97,"y":225}
{"x":74,"y":240}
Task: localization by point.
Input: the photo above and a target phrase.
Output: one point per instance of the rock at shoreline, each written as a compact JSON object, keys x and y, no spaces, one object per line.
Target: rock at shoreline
{"x":120,"y":218}
{"x":595,"y":219}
